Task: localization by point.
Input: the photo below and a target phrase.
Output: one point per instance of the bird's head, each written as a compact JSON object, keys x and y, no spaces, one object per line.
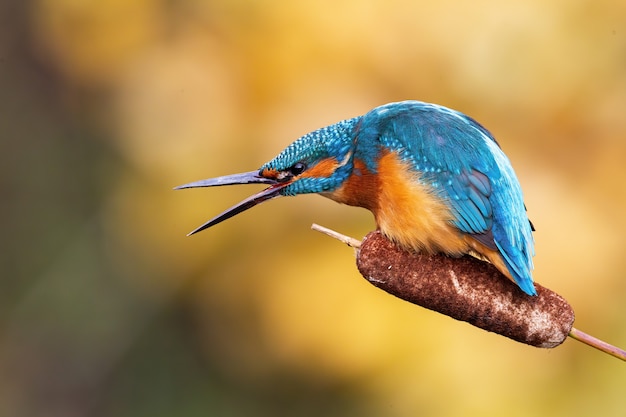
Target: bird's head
{"x":318,"y":162}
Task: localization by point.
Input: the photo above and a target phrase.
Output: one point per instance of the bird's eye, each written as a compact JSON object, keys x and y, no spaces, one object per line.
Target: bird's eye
{"x":297,"y":168}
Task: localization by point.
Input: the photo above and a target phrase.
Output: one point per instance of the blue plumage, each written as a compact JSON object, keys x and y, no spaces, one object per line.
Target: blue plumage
{"x":444,"y":160}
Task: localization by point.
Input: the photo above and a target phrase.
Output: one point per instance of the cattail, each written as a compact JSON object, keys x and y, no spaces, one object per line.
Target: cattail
{"x":470,"y":290}
{"x":466,"y":289}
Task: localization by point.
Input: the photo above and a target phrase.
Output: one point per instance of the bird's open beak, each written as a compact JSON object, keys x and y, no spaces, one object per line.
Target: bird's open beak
{"x":252,"y":177}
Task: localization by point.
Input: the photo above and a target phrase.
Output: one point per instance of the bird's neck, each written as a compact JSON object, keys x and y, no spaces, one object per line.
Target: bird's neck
{"x":360,"y":189}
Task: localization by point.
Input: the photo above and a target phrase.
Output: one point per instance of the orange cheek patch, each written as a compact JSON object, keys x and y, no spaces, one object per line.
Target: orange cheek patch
{"x":269,"y":173}
{"x":322,"y":169}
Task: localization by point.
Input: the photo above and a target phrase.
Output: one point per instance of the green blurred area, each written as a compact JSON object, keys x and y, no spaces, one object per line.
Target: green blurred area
{"x":108,"y":309}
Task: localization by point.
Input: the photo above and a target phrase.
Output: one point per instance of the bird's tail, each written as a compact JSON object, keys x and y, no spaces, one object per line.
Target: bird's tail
{"x":517,"y":266}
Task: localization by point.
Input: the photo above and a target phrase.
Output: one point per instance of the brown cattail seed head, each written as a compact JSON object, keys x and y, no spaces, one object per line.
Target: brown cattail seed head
{"x":466,"y":289}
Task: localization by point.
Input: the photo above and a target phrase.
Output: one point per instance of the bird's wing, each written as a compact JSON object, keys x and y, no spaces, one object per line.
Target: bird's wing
{"x":468,"y":194}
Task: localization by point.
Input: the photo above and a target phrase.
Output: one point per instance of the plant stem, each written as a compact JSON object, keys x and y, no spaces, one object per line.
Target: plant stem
{"x":350,"y":241}
{"x":587,"y":339}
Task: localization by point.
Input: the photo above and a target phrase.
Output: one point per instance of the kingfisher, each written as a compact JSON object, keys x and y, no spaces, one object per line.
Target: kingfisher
{"x":435,"y":180}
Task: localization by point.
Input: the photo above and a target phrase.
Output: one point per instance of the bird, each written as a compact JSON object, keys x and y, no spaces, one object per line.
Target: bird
{"x":435,"y":180}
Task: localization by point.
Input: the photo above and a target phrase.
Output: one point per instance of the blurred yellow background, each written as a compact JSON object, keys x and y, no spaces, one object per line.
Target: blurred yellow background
{"x":108,"y":309}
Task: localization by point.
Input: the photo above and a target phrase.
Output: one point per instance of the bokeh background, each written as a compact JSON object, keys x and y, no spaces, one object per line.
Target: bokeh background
{"x":108,"y":309}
